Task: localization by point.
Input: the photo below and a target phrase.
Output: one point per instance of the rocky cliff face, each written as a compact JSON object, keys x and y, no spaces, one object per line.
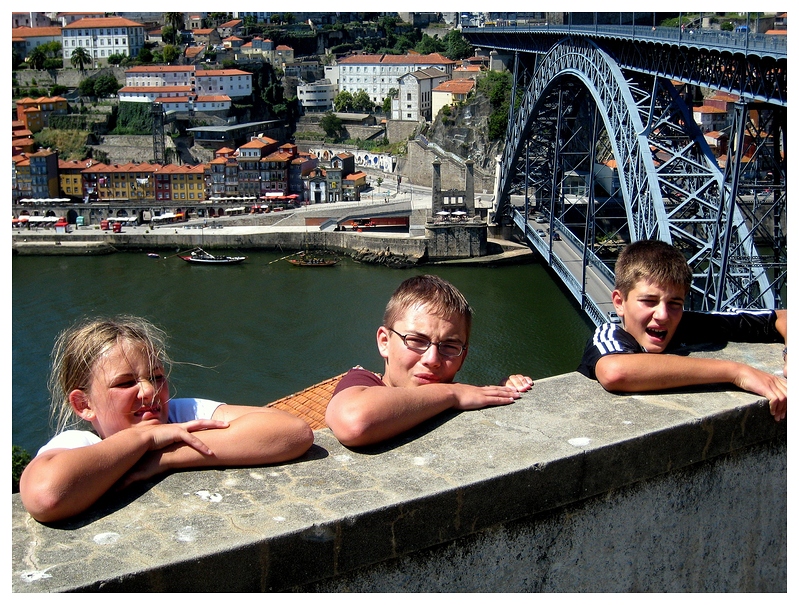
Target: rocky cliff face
{"x":465,"y":133}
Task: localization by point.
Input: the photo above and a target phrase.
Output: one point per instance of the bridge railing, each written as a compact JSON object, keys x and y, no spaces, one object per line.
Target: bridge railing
{"x":723,"y":40}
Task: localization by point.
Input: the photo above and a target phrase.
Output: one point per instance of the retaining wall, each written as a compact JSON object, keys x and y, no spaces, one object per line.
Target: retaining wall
{"x":569,"y":489}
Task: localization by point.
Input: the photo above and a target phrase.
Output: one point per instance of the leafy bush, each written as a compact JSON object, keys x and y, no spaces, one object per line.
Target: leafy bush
{"x":19,"y":460}
{"x":134,"y":118}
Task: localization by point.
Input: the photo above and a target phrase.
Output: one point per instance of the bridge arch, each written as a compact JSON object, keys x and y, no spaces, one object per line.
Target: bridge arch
{"x":668,"y":179}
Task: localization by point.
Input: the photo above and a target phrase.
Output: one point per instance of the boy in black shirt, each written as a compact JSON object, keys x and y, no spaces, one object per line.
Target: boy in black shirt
{"x":652,"y":281}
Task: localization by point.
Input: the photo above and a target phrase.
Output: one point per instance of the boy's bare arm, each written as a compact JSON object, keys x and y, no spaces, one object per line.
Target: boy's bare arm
{"x":640,"y":372}
{"x":362,"y":415}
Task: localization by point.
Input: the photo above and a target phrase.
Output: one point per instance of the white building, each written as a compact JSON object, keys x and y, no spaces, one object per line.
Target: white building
{"x":24,"y":39}
{"x":103,"y":37}
{"x":317,"y":96}
{"x":234,"y":83}
{"x":159,"y":75}
{"x":148,"y":94}
{"x":415,"y":99}
{"x":378,"y":74}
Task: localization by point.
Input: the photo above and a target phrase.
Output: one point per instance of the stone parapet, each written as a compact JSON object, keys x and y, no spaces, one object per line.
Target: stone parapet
{"x":570,"y":488}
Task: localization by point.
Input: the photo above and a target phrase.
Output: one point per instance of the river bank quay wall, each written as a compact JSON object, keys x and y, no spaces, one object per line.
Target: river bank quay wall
{"x":438,"y":243}
{"x":569,"y":489}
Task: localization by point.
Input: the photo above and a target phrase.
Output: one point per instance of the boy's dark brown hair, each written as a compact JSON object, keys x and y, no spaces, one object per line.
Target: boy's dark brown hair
{"x":654,"y":261}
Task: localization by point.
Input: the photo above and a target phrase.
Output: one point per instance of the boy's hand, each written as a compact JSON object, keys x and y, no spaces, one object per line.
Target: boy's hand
{"x":772,"y":387}
{"x":519,"y":382}
{"x":470,"y":397}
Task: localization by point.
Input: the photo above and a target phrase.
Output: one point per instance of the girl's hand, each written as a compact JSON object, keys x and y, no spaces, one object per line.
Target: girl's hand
{"x":163,"y":435}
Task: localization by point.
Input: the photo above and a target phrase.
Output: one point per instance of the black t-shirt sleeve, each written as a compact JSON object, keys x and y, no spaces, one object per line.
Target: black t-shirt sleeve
{"x":608,"y":339}
{"x":722,"y":327}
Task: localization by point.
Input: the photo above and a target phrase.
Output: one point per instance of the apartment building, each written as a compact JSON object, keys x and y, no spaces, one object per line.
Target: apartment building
{"x":234,"y":83}
{"x":103,"y":37}
{"x":25,"y":39}
{"x":451,"y":91}
{"x":378,"y":74}
{"x":160,"y":75}
{"x":35,"y":113}
{"x":317,"y":96}
{"x":414,"y":101}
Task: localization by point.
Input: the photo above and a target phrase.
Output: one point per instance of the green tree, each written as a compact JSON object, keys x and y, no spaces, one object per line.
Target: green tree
{"x":331,"y":124}
{"x":116,"y":59}
{"x":169,"y":34}
{"x":428,"y":45}
{"x":80,"y":57}
{"x":37,"y":57}
{"x":170,"y":53}
{"x":145,"y":55}
{"x":362,"y":102}
{"x":343,"y":101}
{"x":175,"y":20}
{"x":86,"y":88}
{"x":387,"y":101}
{"x":106,"y":86}
{"x":456,"y":46}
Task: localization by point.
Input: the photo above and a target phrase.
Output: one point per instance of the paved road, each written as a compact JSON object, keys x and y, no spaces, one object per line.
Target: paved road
{"x":597,"y":286}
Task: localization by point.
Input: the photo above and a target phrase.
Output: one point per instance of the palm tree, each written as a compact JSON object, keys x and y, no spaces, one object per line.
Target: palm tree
{"x":79,"y":58}
{"x":37,"y":57}
{"x":176,"y":20}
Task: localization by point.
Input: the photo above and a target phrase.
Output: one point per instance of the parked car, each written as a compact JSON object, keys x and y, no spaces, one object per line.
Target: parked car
{"x":540,"y":219}
{"x":613,"y":317}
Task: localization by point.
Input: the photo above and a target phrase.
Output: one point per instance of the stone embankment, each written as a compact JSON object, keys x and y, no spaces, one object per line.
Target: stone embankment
{"x":569,"y":489}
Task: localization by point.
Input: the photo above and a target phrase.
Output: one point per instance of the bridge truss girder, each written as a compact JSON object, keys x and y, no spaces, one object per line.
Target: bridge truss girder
{"x":670,"y":183}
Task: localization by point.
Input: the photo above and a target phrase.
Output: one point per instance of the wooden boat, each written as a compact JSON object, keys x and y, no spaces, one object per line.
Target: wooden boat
{"x":309,"y":260}
{"x":199,"y":256}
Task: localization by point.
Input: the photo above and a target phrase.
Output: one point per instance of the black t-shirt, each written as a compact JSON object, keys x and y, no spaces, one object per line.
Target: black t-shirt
{"x":695,"y":328}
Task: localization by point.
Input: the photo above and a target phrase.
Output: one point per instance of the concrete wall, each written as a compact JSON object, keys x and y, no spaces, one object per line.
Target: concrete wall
{"x":568,"y":489}
{"x":65,"y":77}
{"x":456,"y":241}
{"x":417,"y":170}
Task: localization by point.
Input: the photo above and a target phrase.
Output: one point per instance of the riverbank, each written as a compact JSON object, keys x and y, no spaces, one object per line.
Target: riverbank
{"x":393,"y":249}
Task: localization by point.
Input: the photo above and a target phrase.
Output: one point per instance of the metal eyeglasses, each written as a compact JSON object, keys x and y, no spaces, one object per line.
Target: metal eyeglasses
{"x":418,"y":344}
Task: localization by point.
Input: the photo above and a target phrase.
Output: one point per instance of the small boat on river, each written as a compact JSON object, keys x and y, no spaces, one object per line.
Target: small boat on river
{"x":198,"y":256}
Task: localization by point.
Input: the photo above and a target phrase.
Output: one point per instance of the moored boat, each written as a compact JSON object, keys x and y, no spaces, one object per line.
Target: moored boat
{"x":201,"y":257}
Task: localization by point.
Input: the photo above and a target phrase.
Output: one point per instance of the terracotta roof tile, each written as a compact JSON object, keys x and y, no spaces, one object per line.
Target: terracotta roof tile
{"x":309,"y":404}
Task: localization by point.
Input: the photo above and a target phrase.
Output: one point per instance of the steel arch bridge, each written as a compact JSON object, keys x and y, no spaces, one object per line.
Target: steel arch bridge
{"x":610,"y":155}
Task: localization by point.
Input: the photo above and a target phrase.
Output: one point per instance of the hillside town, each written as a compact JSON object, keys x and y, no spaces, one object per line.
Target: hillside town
{"x":223,"y":109}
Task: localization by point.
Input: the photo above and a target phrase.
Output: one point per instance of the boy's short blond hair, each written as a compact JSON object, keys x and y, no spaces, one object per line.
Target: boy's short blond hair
{"x":437,"y":295}
{"x":653,"y":261}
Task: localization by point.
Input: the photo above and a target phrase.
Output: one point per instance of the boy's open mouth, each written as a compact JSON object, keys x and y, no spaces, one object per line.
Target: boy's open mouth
{"x":659,"y":334}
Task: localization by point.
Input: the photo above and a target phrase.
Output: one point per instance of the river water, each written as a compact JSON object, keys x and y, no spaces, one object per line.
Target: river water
{"x":252,"y":333}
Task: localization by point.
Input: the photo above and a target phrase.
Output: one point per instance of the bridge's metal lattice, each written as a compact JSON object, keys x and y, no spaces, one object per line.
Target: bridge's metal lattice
{"x":666,"y":184}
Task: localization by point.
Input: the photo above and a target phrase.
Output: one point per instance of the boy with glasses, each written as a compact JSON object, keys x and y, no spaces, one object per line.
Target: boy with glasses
{"x":424,"y":340}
